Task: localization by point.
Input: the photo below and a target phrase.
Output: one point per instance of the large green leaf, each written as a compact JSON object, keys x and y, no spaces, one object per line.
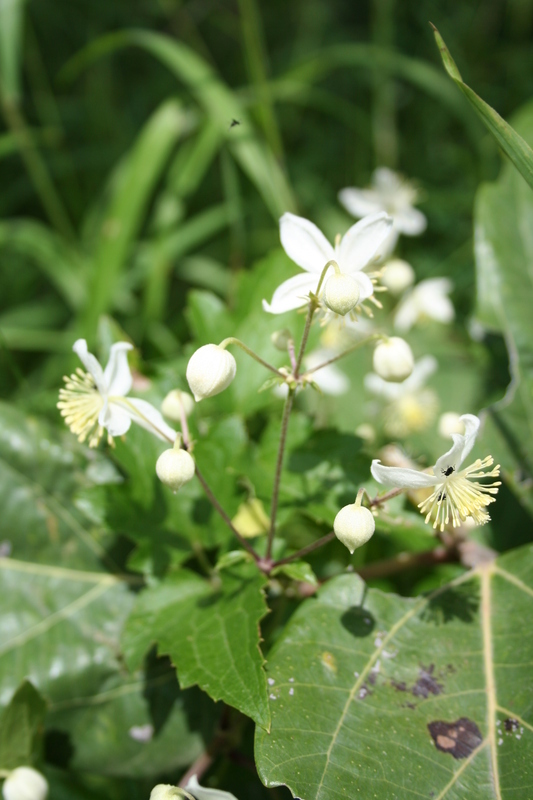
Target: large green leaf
{"x":378,"y":695}
{"x":211,"y":632}
{"x":21,"y":726}
{"x":512,"y":144}
{"x":504,"y":255}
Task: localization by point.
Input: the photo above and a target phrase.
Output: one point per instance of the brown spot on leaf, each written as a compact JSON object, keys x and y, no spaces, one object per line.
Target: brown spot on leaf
{"x":426,"y":683}
{"x":400,"y":686}
{"x":510,"y":725}
{"x":458,"y":738}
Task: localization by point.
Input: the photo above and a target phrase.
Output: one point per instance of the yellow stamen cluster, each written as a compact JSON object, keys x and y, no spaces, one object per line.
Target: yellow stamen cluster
{"x":80,"y":403}
{"x":411,"y":413}
{"x":460,"y":496}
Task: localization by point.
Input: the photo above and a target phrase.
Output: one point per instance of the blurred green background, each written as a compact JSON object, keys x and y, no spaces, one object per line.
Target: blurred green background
{"x":125,"y":183}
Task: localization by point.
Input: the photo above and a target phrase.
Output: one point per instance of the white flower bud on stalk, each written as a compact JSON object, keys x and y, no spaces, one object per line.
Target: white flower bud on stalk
{"x":210,"y":370}
{"x":354,"y":525}
{"x":397,"y":276}
{"x":164,"y":791}
{"x":25,"y":783}
{"x":393,"y":359}
{"x":175,"y":402}
{"x":341,"y":293}
{"x":175,"y":466}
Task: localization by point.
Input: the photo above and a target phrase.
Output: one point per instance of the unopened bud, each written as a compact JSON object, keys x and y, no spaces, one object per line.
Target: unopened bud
{"x":281,"y":339}
{"x":175,"y":467}
{"x":341,"y":293}
{"x":210,"y":370}
{"x":354,"y":525}
{"x":175,"y":403}
{"x":393,"y":359}
{"x":25,"y":783}
{"x":164,"y":791}
{"x":398,"y":275}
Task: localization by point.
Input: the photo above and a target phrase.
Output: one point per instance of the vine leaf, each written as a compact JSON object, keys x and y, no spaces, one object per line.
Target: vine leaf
{"x":401,"y":698}
{"x":20,"y":727}
{"x":210,"y":632}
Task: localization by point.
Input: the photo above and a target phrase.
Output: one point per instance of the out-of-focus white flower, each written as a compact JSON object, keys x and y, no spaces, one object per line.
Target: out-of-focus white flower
{"x":457,"y":493}
{"x":177,"y":403}
{"x":210,"y":370}
{"x":307,"y":246}
{"x":392,"y":193}
{"x":94,"y":401}
{"x":164,"y":791}
{"x":25,"y":783}
{"x":410,"y":407}
{"x":450,"y":423}
{"x":397,"y":276}
{"x":330,"y":379}
{"x":427,"y":300}
{"x":393,"y":359}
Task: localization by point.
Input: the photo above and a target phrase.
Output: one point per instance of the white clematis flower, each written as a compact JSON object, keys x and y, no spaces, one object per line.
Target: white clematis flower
{"x":457,"y":493}
{"x":200,"y":793}
{"x":94,"y":401}
{"x":428,"y":299}
{"x":392,"y":193}
{"x":307,"y":246}
{"x":411,"y":407}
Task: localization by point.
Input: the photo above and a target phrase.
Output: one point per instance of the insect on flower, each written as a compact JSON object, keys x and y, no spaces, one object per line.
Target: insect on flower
{"x":458,"y":494}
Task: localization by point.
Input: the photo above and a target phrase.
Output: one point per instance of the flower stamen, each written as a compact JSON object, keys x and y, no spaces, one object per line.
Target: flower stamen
{"x":80,"y":404}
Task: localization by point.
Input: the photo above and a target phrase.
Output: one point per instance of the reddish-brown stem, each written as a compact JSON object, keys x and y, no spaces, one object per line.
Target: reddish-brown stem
{"x":305,"y":550}
{"x":391,"y":566}
{"x":379,"y":499}
{"x":198,"y":768}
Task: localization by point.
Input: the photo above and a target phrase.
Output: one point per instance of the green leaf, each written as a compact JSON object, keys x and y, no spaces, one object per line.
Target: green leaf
{"x":21,"y":725}
{"x":138,"y":175}
{"x":374,"y":694}
{"x":211,"y":633}
{"x":514,"y":147}
{"x":297,"y":571}
{"x":504,"y":253}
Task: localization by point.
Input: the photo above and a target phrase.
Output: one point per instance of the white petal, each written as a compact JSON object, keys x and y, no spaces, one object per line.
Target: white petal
{"x":360,"y":202}
{"x":144,"y":414}
{"x":117,"y":375}
{"x":402,"y":478}
{"x":114,"y":419}
{"x":90,"y":363}
{"x":304,"y":243}
{"x":386,"y":180}
{"x":410,"y":221}
{"x":293,"y":293}
{"x":388,"y":245}
{"x":422,"y":370}
{"x":330,"y":379}
{"x":200,"y":793}
{"x":366,"y":287}
{"x":471,"y":424}
{"x":391,"y":391}
{"x":462,"y":445}
{"x":361,"y":242}
{"x":407,"y":313}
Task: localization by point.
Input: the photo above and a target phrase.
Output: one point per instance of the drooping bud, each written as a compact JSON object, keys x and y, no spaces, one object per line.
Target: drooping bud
{"x":210,"y":370}
{"x":397,"y":276}
{"x":175,"y":466}
{"x":341,"y":293}
{"x":164,"y":791}
{"x":354,"y":525}
{"x":281,"y":339}
{"x":175,"y":403}
{"x":393,"y":359}
{"x":25,"y":783}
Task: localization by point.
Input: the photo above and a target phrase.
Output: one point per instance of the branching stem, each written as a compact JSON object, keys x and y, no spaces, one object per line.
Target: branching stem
{"x":251,"y":353}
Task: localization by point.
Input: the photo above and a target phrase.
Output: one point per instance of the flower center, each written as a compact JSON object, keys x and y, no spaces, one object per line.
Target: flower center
{"x":460,"y":495}
{"x":80,"y":404}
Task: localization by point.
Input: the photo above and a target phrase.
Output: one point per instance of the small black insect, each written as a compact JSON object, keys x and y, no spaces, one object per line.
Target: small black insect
{"x":441,"y":496}
{"x":448,"y":471}
{"x":234,"y":122}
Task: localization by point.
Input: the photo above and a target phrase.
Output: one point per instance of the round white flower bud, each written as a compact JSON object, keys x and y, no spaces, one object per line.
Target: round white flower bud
{"x":354,"y":525}
{"x":174,"y":468}
{"x":281,"y":339}
{"x":449,"y":423}
{"x":393,"y":359}
{"x":175,"y":402}
{"x":341,"y":293}
{"x":210,"y":370}
{"x":164,"y":791}
{"x":25,"y":783}
{"x":398,"y":275}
